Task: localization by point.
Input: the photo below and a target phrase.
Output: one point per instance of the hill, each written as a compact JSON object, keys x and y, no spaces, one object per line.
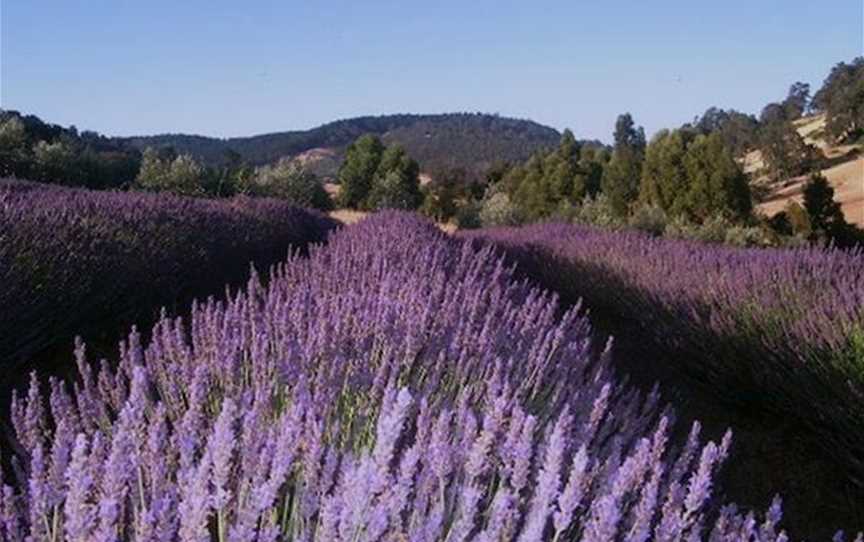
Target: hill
{"x":472,"y":141}
{"x":843,"y":167}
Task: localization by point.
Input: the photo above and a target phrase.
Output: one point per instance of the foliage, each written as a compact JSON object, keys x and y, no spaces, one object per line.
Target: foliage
{"x":289,"y":181}
{"x":376,"y":408}
{"x":549,"y":179}
{"x":716,"y":183}
{"x":738,"y":130}
{"x":468,"y":216}
{"x":695,"y":176}
{"x":785,"y":152}
{"x":622,"y":175}
{"x":665,"y":180}
{"x":498,"y":210}
{"x":650,"y":219}
{"x":449,"y":191}
{"x":75,"y":261}
{"x":181,"y":175}
{"x":841,"y":98}
{"x":358,"y":170}
{"x":32,"y":149}
{"x":396,"y":184}
{"x":825,"y":218}
{"x":797,"y":100}
{"x":596,"y":211}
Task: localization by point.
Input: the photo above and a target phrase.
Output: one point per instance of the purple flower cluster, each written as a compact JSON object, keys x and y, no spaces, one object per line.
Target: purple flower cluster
{"x":76,"y":261}
{"x":395,"y":385}
{"x":781,"y":330}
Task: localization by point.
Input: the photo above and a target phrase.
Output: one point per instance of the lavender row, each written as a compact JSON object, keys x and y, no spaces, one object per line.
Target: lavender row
{"x":77,"y":261}
{"x":396,"y":385}
{"x":773,"y":329}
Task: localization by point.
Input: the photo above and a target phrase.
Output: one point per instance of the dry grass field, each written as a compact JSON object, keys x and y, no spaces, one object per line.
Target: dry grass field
{"x":845,"y":176}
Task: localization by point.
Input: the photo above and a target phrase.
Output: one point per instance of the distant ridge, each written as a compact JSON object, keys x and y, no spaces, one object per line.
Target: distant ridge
{"x":471,"y":141}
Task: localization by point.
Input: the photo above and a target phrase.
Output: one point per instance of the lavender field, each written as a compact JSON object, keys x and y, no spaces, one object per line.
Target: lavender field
{"x":396,"y":383}
{"x":765,"y":329}
{"x":80,"y":262}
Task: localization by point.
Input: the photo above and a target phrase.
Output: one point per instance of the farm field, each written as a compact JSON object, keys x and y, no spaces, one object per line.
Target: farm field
{"x":431,"y":272}
{"x":87,"y":263}
{"x":395,"y":341}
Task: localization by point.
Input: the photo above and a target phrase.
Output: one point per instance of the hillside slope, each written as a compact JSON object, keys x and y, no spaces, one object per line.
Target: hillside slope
{"x":471,"y":141}
{"x":844,"y":171}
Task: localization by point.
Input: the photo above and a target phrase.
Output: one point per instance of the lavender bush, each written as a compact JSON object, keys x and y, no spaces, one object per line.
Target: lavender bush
{"x":396,"y":385}
{"x":75,"y":261}
{"x":769,"y":328}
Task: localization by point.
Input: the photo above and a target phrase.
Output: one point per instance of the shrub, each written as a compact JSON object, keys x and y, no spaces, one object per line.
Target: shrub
{"x":499,"y":211}
{"x":288,"y":180}
{"x":650,"y":219}
{"x":597,"y":211}
{"x":468,"y":216}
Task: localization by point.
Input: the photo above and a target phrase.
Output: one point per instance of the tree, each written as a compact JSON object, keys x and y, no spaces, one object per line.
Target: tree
{"x":498,"y":210}
{"x":444,"y":195}
{"x":533,"y":195}
{"x":841,"y":98}
{"x":773,"y":113}
{"x":153,"y":172}
{"x":825,"y":215}
{"x":358,"y":170}
{"x":784,"y":151}
{"x":621,"y":177}
{"x":56,"y":162}
{"x":588,"y":180}
{"x":182,"y":175}
{"x":288,"y":180}
{"x":797,"y":100}
{"x":738,"y":130}
{"x":14,"y":151}
{"x":716,"y":184}
{"x":664,"y":176}
{"x":185,"y":176}
{"x":396,"y":184}
{"x":627,"y":135}
{"x":620,"y":181}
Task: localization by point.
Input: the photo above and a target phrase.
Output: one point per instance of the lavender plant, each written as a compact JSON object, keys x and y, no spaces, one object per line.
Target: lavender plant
{"x":396,"y":385}
{"x":772,"y":329}
{"x":75,"y":261}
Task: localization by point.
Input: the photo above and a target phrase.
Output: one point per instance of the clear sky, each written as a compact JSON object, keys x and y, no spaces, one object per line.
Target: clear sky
{"x":231,"y":68}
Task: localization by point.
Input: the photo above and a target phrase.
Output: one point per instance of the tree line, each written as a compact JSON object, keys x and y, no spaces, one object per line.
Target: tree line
{"x":690,"y":173}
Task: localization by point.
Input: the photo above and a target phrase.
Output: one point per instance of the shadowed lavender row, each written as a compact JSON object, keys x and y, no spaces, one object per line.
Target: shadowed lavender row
{"x":772,"y":329}
{"x":78,"y":261}
{"x":396,"y":385}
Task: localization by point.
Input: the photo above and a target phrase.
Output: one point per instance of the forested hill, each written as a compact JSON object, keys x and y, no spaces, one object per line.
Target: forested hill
{"x":472,"y":141}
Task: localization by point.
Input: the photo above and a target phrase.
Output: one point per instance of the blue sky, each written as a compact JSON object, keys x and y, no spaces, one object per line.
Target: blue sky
{"x":228,"y":68}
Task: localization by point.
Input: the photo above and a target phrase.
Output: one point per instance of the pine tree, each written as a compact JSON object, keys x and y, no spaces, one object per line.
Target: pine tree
{"x":716,"y":183}
{"x":396,"y":184}
{"x":621,"y":177}
{"x":825,"y":214}
{"x":358,"y":170}
{"x":664,"y":177}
